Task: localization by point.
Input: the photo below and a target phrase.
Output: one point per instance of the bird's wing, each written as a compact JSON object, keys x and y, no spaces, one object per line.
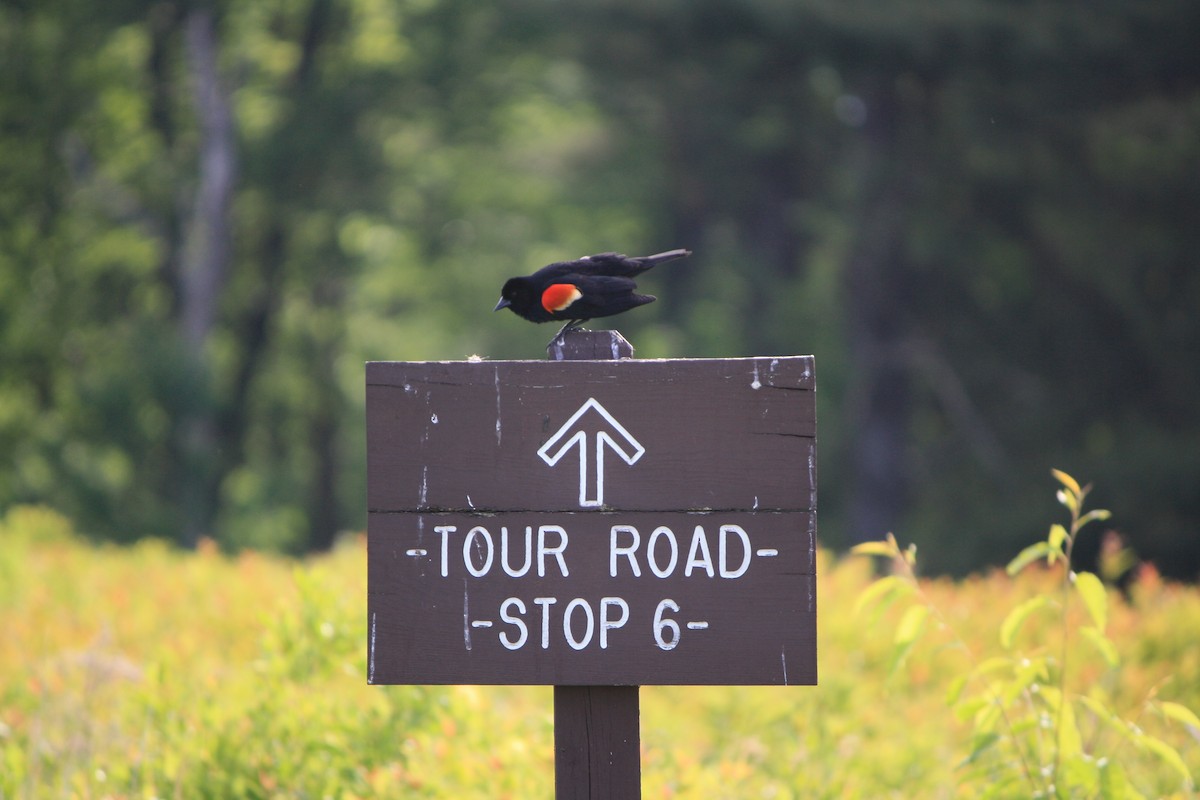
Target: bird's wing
{"x":601,"y":285}
{"x":568,"y":271}
{"x":610,"y":264}
{"x":605,"y":264}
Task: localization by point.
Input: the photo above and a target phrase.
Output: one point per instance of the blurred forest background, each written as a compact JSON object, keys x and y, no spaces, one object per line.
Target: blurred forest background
{"x":982,"y":217}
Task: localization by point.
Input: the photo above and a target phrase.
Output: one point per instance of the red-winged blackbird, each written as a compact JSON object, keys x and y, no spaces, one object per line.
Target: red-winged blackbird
{"x":576,"y":291}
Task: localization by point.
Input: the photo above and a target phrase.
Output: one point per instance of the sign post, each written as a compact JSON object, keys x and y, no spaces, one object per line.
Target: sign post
{"x":595,"y":525}
{"x":597,"y":729}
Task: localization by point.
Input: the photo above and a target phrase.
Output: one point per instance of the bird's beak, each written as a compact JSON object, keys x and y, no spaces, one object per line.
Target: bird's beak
{"x":504,"y":303}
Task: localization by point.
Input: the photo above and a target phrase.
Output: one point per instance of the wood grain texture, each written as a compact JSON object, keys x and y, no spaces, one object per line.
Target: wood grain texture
{"x":597,"y":743}
{"x":580,"y":345}
{"x":719,"y":433}
{"x":693,"y":563}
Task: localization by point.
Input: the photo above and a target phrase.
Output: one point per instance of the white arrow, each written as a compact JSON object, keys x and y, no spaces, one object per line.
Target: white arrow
{"x":629,"y":453}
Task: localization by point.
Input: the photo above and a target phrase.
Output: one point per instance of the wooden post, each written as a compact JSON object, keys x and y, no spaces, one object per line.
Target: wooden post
{"x":597,"y":743}
{"x":597,"y":729}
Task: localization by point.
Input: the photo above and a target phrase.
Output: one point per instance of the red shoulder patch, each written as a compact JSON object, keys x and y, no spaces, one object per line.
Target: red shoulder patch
{"x":558,"y":296}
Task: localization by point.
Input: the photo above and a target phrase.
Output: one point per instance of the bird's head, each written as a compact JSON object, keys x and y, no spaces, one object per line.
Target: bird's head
{"x":518,"y":294}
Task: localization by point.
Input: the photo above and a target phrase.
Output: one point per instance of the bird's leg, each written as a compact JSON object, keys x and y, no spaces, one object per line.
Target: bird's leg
{"x":571,"y":325}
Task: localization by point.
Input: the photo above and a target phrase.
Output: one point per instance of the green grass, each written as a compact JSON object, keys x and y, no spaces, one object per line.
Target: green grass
{"x":146,"y":672}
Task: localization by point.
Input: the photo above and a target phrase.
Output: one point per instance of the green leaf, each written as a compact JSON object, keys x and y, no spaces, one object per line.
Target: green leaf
{"x":1102,"y":644}
{"x":1070,"y":744}
{"x":1095,"y":515}
{"x":981,"y":744}
{"x":1168,"y":754}
{"x":1078,"y":776}
{"x":1058,"y":535}
{"x":910,"y":624}
{"x":1067,"y":481}
{"x":1071,"y":501}
{"x":1096,"y":707}
{"x":1028,"y":673}
{"x":998,"y":786}
{"x":1107,"y":716}
{"x":900,"y":656}
{"x":1127,"y":732}
{"x":873,"y":549}
{"x":992,"y":665}
{"x":1091,"y":589}
{"x":884,"y":590}
{"x":955,"y":690}
{"x":988,"y":717}
{"x":970,"y":708}
{"x":1113,"y":783}
{"x":1051,"y":696}
{"x":907,"y":633}
{"x":1028,"y":556}
{"x":1180,"y":713}
{"x":1016,"y":617}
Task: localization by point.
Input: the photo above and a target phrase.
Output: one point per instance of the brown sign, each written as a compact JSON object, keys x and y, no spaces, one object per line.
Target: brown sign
{"x":592,"y":522}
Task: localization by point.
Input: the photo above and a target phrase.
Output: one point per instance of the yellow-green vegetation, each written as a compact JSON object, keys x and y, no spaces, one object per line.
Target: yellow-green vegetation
{"x":1051,"y":714}
{"x":149,"y":672}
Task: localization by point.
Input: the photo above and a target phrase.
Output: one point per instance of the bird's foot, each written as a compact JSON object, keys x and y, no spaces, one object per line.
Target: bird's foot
{"x":572,"y":325}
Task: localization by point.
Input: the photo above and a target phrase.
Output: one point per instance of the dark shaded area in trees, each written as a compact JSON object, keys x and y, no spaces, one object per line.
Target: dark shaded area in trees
{"x":980,"y":216}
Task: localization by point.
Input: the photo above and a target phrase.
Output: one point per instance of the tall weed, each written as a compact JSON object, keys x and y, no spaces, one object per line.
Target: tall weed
{"x":1040,"y":702}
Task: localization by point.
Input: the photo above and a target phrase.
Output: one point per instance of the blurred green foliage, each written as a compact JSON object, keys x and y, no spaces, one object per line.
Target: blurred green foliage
{"x":979,"y":215}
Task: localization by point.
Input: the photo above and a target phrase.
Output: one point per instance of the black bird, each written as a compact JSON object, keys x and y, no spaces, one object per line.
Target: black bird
{"x":576,"y":291}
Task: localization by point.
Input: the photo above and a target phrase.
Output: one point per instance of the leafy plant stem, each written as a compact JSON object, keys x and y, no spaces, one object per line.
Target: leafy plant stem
{"x":905,"y":561}
{"x":1074,"y":507}
{"x":1019,"y":701}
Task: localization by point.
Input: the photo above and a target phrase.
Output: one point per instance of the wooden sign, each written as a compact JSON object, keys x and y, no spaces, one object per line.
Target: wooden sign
{"x":592,"y":522}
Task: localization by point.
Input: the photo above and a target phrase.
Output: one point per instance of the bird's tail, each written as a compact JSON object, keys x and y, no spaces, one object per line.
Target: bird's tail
{"x":670,"y":255}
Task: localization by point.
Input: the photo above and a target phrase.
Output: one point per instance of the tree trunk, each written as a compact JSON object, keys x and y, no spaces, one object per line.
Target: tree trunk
{"x":205,"y":266}
{"x":876,"y":313}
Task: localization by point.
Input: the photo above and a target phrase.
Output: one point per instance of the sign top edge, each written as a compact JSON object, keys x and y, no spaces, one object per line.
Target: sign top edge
{"x":489,"y":362}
